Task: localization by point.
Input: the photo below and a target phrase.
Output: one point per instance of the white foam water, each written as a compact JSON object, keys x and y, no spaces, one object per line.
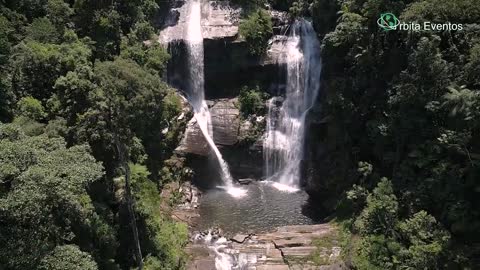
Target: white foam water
{"x":284,"y":138}
{"x":281,"y":187}
{"x":226,"y":258}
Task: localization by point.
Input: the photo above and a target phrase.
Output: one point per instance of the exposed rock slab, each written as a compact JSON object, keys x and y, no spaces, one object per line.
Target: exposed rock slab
{"x":219,"y":21}
{"x":175,"y":26}
{"x":186,"y":208}
{"x":287,"y":248}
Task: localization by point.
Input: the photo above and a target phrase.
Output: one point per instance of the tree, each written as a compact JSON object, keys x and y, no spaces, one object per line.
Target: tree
{"x":31,"y":108}
{"x":36,"y":66}
{"x":67,"y":257}
{"x":45,"y":197}
{"x":426,"y":241}
{"x":128,"y":101}
{"x":56,"y":87}
{"x":252,"y":101}
{"x":43,"y":30}
{"x":125,"y":104}
{"x":380,"y":214}
{"x":168,"y":237}
{"x":59,"y":13}
{"x":256,"y":29}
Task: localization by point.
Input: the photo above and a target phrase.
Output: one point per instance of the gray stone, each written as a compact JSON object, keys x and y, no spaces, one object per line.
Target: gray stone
{"x":193,"y":141}
{"x":240,"y":238}
{"x":274,"y":251}
{"x":219,"y":20}
{"x":245,"y":181}
{"x":202,"y":264}
{"x":276,"y":52}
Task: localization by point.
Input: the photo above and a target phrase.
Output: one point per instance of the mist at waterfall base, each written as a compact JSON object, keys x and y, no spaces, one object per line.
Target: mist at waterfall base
{"x":285,"y":131}
{"x":196,"y":95}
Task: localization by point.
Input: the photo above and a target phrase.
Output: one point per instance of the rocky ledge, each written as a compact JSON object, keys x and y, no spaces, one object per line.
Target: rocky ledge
{"x":227,"y":126}
{"x":291,"y":247}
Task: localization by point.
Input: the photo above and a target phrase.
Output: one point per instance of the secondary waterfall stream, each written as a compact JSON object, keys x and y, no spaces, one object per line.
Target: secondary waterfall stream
{"x":284,"y":140}
{"x":196,"y":95}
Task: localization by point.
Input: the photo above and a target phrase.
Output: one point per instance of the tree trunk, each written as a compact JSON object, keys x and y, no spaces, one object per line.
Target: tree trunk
{"x":123,"y":156}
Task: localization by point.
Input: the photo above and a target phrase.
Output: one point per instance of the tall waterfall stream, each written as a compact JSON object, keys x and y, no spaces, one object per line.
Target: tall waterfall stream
{"x":196,"y":95}
{"x":284,"y":138}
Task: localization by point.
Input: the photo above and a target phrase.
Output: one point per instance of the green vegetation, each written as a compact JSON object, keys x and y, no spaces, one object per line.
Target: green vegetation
{"x":44,"y":200}
{"x":402,"y":132}
{"x":257,"y":29}
{"x":68,"y":257}
{"x":325,"y":245}
{"x":88,"y":127}
{"x":81,"y":97}
{"x":252,"y":107}
{"x":252,"y":101}
{"x":167,"y":238}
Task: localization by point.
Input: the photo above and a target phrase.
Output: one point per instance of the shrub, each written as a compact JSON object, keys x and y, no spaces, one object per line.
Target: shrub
{"x":252,"y":101}
{"x":31,"y":107}
{"x":256,"y":30}
{"x":68,"y":257}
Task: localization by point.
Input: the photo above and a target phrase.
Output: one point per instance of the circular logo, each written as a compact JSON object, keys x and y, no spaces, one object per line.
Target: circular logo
{"x":388,"y":21}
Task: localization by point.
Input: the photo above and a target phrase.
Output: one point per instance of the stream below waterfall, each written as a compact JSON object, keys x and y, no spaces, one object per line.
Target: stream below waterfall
{"x":263,"y":208}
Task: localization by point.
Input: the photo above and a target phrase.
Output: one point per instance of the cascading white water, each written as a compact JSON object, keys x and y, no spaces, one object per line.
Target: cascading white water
{"x":226,"y":258}
{"x":196,"y":95}
{"x":284,"y":140}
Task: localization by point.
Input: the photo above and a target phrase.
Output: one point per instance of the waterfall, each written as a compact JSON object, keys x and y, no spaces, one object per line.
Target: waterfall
{"x":284,"y":138}
{"x":195,"y":92}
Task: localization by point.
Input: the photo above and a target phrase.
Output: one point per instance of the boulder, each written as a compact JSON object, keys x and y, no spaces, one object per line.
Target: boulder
{"x":193,"y":141}
{"x":245,"y":181}
{"x":225,"y":121}
{"x":225,"y":125}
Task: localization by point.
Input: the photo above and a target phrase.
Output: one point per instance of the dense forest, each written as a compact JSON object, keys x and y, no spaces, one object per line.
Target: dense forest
{"x":89,"y":124}
{"x":402,"y":131}
{"x":88,"y":128}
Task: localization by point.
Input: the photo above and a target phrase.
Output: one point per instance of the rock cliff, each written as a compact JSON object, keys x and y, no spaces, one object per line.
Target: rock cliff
{"x":228,"y":64}
{"x":228,"y":67}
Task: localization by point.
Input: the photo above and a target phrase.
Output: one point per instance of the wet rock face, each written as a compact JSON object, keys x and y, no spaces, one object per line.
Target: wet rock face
{"x":225,"y":126}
